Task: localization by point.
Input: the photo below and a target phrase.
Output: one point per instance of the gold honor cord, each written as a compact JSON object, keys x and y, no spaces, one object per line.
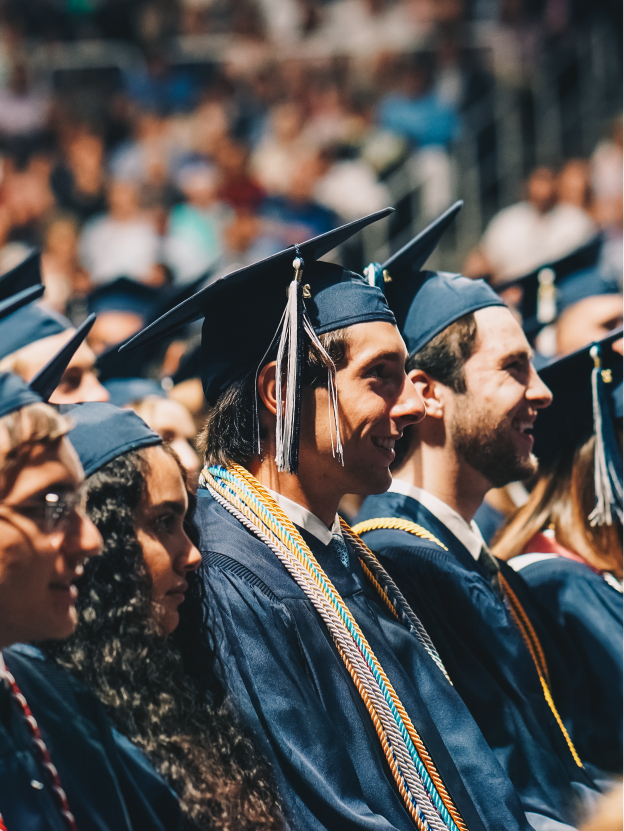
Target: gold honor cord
{"x":520,"y":617}
{"x":418,"y":781}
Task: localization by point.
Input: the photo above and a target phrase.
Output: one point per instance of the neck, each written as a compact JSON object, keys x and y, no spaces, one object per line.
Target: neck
{"x":437,"y":470}
{"x":313,"y":495}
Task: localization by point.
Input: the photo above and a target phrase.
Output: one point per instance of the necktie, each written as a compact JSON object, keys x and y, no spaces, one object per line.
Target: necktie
{"x":338,"y":546}
{"x":491,"y":566}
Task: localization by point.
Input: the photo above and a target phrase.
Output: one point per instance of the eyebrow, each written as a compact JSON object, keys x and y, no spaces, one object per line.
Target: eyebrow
{"x":519,"y":353}
{"x":173,"y":505}
{"x":385,"y":356}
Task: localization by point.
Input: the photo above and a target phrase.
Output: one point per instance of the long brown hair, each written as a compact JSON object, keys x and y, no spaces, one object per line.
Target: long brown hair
{"x":563,"y":499}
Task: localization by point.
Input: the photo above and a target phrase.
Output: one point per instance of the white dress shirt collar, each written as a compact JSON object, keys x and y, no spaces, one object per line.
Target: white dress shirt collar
{"x":306,"y":519}
{"x":466,"y":532}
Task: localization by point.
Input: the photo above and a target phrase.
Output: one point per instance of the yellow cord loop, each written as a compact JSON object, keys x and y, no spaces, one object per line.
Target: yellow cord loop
{"x":519,"y":615}
{"x":396,"y":524}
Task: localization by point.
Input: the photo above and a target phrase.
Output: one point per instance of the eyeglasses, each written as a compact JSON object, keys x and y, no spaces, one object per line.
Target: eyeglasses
{"x":51,"y":511}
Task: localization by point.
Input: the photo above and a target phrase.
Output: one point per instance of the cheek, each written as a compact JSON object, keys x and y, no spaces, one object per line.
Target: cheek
{"x":158,"y":564}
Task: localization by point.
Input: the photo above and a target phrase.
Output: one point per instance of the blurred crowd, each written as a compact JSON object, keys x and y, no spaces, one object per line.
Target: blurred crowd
{"x":174,"y":174}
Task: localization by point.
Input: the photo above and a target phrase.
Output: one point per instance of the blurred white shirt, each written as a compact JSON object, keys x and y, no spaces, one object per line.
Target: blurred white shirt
{"x":519,"y":239}
{"x":110,"y":249}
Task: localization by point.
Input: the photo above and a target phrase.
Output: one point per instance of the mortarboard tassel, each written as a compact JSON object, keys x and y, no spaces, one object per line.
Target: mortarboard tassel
{"x":607,"y":477}
{"x":332,"y":390}
{"x":290,"y":349}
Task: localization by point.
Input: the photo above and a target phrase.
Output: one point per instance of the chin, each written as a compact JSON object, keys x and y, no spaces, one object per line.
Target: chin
{"x":373,"y":483}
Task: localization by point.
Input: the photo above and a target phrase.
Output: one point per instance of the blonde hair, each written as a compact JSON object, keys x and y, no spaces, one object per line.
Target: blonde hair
{"x":562,"y":499}
{"x":20,"y":431}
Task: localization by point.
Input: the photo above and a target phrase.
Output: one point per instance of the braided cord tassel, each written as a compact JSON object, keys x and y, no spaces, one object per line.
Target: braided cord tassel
{"x":46,"y":761}
{"x":534,"y":646}
{"x":391,"y":594}
{"x":229,"y":485}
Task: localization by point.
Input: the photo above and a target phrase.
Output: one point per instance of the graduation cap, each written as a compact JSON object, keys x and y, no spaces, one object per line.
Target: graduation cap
{"x":31,"y":323}
{"x":253,"y":310}
{"x":124,"y":295}
{"x":426,"y":302}
{"x":24,"y":276}
{"x":47,"y":379}
{"x":549,"y":289}
{"x":15,"y":394}
{"x":22,"y":298}
{"x":102,"y":432}
{"x":587,"y":398}
{"x":124,"y":375}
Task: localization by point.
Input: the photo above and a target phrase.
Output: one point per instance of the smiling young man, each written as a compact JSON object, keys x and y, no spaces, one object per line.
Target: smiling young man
{"x":60,"y":767}
{"x":327,"y":665}
{"x":470,"y":364}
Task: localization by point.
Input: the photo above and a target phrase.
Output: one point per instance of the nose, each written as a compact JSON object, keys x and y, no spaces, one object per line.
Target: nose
{"x":409,"y":408}
{"x":537,"y":392}
{"x":191,"y":560}
{"x":91,"y":389}
{"x":81,"y":539}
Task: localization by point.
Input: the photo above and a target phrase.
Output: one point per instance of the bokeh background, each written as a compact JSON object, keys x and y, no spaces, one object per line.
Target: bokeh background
{"x":166,"y":140}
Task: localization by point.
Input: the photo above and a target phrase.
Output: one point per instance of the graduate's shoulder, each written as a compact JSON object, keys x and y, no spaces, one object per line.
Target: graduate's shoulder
{"x":227,"y":547}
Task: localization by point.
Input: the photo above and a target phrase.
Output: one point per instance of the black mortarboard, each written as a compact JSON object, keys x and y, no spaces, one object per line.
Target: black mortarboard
{"x":587,"y":397}
{"x":124,"y":295}
{"x":426,"y":302}
{"x":102,"y":432}
{"x":15,"y":394}
{"x":22,"y":298}
{"x":244,"y":315}
{"x":547,"y":290}
{"x":31,"y":323}
{"x":47,"y":379}
{"x":124,"y":375}
{"x":24,"y":276}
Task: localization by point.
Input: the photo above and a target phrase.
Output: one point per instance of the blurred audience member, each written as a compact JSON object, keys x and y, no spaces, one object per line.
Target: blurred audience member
{"x":61,"y":272}
{"x":606,"y":173}
{"x":413,"y":109}
{"x":194,"y":240}
{"x":349,"y":186}
{"x":538,"y":230}
{"x":146,"y":157}
{"x":296,"y":216}
{"x":121,"y":242}
{"x":173,"y":422}
{"x":78,"y":182}
{"x":159,"y":88}
{"x":23,"y":108}
{"x":575,"y":184}
{"x":275,"y":158}
{"x":237,"y":187}
{"x":26,"y":198}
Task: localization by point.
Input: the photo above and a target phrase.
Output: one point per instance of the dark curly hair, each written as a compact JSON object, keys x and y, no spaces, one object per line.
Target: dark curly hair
{"x":151,"y":685}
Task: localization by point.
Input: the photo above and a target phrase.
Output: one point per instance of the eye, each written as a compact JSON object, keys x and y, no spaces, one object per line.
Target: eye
{"x":71,"y":379}
{"x":377,"y":371}
{"x":166,"y":522}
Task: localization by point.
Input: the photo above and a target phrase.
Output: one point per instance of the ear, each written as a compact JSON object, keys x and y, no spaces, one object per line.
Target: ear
{"x":267,"y":388}
{"x":429,"y":390}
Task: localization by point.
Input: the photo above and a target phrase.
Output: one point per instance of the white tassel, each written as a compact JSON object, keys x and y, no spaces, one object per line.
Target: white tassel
{"x":332,"y":391}
{"x":286,"y":415}
{"x":601,"y":515}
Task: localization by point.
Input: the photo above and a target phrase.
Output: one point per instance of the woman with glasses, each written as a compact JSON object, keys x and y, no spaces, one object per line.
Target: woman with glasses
{"x":60,"y":767}
{"x":135,"y":647}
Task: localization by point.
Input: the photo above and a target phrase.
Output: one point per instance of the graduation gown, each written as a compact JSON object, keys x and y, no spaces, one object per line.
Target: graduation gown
{"x":484,"y":654}
{"x":578,"y":599}
{"x":292,"y":689}
{"x":108,"y":787}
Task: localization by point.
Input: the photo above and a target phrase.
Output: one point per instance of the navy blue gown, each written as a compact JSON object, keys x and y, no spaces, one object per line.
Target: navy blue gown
{"x":589,"y":609}
{"x":291,"y":687}
{"x":108,"y":787}
{"x":484,"y":654}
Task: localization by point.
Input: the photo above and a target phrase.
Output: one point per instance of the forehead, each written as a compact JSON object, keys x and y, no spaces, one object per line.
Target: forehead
{"x":365,"y":341}
{"x":164,"y":480}
{"x":46,"y":466}
{"x":498,"y":334}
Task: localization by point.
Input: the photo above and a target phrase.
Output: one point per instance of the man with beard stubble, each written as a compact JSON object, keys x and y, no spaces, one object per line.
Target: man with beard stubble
{"x":471,"y":364}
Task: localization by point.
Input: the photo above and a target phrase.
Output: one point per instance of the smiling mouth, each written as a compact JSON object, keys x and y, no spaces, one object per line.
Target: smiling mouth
{"x":68,"y":587}
{"x":524,"y":427}
{"x":384,"y":443}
